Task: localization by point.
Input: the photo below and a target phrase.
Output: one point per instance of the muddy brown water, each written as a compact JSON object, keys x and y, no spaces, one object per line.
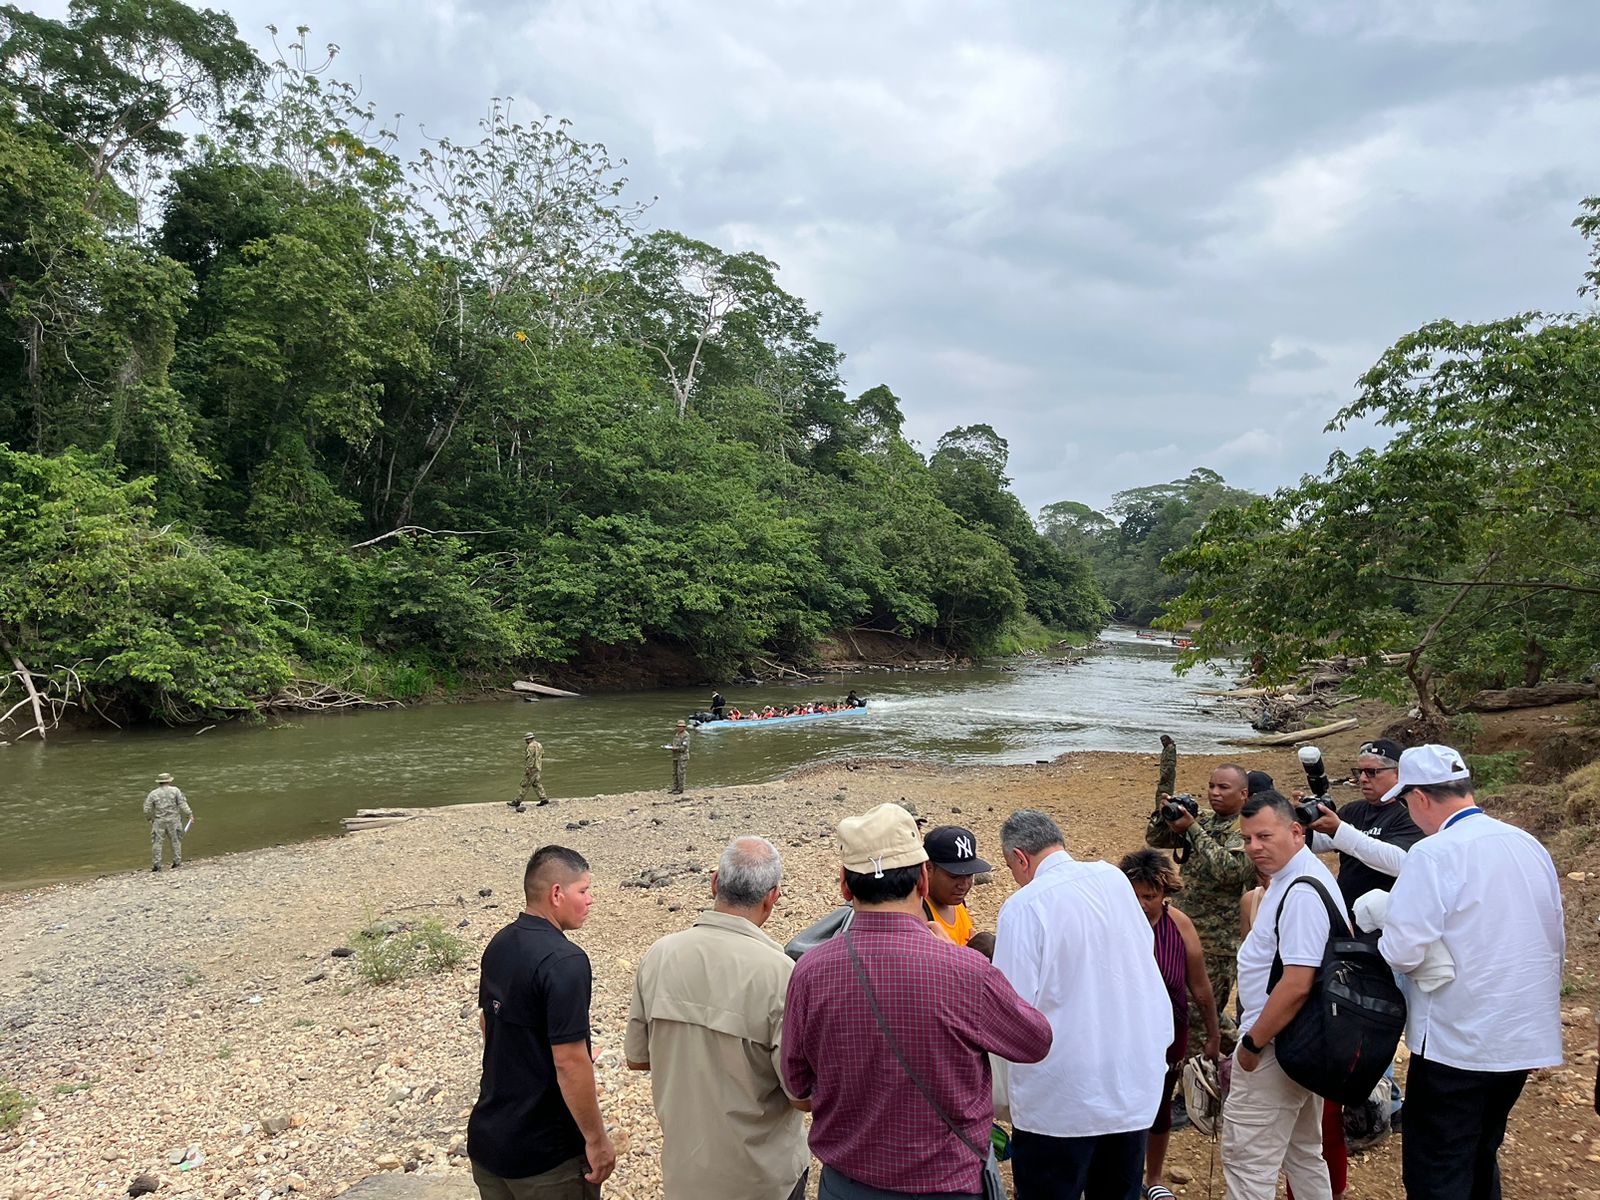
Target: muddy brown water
{"x":72,"y":807}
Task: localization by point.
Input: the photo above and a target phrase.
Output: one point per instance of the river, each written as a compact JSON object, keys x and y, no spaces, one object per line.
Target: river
{"x":72,"y":807}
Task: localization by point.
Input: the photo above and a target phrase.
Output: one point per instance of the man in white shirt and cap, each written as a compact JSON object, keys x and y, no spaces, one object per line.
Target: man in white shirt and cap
{"x":1487,"y":892}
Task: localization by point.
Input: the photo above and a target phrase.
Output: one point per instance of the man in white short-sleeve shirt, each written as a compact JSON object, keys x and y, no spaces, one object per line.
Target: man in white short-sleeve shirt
{"x":1271,"y":1123}
{"x":1488,"y":893}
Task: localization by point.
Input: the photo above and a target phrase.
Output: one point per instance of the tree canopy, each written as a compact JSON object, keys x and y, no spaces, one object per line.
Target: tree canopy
{"x":277,"y":403}
{"x":1469,"y":543}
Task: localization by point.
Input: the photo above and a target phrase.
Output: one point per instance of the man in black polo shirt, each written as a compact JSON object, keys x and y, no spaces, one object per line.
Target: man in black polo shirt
{"x":536,"y":1131}
{"x":1371,"y":835}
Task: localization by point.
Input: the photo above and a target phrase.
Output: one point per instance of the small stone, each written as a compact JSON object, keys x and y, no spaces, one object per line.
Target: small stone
{"x":573,"y":825}
{"x":341,"y":952}
{"x":275,"y":1125}
{"x":143,"y":1185}
{"x":397,"y":1094}
{"x":177,"y":1154}
{"x":1178,"y":1174}
{"x":295,"y":1183}
{"x":485,"y":892}
{"x":110,"y":1155}
{"x":386,"y":1162}
{"x":316,"y":977}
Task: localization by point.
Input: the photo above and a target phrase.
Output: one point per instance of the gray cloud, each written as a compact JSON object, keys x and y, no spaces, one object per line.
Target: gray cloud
{"x":1135,"y":239}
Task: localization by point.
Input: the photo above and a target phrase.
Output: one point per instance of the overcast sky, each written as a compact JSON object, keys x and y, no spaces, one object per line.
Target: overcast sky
{"x":1133,"y":237}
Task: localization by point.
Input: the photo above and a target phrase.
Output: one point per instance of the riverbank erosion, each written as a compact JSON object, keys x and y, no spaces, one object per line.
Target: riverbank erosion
{"x":152,"y":1014}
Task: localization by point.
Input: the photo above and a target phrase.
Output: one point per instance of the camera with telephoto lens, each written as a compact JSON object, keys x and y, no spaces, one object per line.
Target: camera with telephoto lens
{"x":1309,"y":810}
{"x":1175,"y":806}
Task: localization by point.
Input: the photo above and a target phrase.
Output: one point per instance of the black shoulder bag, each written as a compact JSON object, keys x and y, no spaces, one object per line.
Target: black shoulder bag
{"x":1344,"y":1037}
{"x":993,"y":1189}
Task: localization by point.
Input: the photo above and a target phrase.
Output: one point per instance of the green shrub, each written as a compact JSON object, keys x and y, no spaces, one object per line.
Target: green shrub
{"x":1491,"y":773}
{"x":14,"y":1106}
{"x":386,"y":952}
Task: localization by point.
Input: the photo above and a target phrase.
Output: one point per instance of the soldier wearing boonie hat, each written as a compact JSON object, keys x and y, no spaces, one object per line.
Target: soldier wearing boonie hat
{"x":166,"y":808}
{"x":532,"y":772}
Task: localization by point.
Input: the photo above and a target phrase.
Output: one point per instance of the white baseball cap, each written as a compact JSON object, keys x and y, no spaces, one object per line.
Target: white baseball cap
{"x":1422,"y":766}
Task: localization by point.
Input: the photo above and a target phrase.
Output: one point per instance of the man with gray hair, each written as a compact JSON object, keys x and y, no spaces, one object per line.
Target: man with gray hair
{"x":705,"y":1022}
{"x":1075,"y":944}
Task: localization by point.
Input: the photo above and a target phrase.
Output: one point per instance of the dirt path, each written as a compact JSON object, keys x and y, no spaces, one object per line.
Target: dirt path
{"x":151,"y":1013}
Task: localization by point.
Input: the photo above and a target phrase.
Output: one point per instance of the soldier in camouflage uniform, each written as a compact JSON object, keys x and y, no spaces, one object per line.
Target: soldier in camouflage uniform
{"x":166,"y":809}
{"x":1216,"y":873}
{"x":680,"y":758}
{"x":532,"y":775}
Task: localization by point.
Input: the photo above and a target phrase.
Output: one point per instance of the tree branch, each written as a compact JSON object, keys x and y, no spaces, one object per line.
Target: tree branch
{"x":419,"y":529}
{"x":1534,"y":585}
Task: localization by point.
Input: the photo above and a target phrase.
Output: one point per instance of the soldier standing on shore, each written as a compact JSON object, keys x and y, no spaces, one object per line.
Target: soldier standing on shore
{"x":166,"y":808}
{"x":680,"y":758}
{"x":532,"y":776}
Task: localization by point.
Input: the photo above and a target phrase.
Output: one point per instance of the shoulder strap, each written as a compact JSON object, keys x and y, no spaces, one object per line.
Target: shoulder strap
{"x":1338,"y":923}
{"x":866,"y":986}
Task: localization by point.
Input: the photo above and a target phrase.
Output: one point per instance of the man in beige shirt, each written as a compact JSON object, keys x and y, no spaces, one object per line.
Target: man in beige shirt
{"x":706,"y":1018}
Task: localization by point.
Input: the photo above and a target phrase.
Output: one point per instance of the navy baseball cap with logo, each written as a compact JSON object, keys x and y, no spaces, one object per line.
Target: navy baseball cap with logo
{"x":955,"y":849}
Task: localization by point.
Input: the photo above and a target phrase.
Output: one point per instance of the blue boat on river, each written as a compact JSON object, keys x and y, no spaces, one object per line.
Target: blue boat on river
{"x":762,"y":722}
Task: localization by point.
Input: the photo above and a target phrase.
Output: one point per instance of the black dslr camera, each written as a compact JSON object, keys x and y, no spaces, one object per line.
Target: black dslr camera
{"x":1175,"y":806}
{"x":1309,"y":809}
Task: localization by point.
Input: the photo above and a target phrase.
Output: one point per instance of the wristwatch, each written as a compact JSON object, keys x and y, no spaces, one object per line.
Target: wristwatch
{"x":1249,"y":1043}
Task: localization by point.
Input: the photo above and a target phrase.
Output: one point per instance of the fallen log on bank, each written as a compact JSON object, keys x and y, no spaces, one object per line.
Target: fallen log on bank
{"x":1541,"y":696}
{"x":543,"y":689}
{"x":1297,"y":736}
{"x":376,"y":818}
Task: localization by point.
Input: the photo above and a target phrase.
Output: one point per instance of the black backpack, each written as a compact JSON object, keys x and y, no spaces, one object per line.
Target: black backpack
{"x":1344,"y":1037}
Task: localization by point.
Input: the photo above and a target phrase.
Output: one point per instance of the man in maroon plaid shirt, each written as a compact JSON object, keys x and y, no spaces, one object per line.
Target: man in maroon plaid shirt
{"x":879,"y":1137}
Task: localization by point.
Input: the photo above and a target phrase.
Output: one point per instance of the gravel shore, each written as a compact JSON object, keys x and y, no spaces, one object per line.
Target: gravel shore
{"x":203,"y":1013}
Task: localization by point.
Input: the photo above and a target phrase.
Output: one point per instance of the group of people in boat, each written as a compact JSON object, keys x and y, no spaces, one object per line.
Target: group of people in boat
{"x":720,"y":711}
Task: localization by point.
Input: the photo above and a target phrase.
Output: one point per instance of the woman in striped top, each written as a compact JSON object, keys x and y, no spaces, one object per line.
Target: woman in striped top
{"x":1183,"y":968}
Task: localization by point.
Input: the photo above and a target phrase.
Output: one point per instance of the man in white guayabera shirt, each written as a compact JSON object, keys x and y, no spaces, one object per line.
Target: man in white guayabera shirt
{"x":1487,"y":891}
{"x":1270,"y":1122}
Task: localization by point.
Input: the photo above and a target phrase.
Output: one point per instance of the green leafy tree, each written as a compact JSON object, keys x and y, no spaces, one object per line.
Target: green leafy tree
{"x":1468,"y":543}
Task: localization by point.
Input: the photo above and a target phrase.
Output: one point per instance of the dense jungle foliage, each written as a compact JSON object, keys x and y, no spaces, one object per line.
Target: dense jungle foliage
{"x":277,"y":403}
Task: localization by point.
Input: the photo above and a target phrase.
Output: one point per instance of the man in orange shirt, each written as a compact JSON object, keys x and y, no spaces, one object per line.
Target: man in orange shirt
{"x":952,"y":862}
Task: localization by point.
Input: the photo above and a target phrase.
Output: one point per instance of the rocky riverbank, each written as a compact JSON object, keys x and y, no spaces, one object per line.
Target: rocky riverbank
{"x":203,"y":1014}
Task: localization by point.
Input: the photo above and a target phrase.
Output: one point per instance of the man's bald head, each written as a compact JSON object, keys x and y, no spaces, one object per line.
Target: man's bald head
{"x":1228,"y":789}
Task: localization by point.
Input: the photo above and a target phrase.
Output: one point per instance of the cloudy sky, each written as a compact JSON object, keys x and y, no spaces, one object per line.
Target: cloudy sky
{"x":1134,"y":237}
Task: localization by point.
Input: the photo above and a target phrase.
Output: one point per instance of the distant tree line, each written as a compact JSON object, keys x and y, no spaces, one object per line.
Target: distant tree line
{"x":276,"y":403}
{"x":1128,"y":544}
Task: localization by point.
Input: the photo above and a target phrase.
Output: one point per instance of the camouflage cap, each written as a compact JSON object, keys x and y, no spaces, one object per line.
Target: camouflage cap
{"x":528,"y":737}
{"x":163,"y":778}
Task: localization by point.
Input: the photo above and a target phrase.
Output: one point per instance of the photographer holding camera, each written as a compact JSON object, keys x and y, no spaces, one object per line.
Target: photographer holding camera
{"x":1216,"y":871}
{"x":1371,"y":835}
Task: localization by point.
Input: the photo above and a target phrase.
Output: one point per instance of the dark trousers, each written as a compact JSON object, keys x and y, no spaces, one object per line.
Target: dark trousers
{"x":1455,"y":1122}
{"x":837,"y":1186}
{"x":1108,"y":1167}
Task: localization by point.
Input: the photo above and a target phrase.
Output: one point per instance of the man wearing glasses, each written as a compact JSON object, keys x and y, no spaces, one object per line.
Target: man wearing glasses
{"x":1372,"y":834}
